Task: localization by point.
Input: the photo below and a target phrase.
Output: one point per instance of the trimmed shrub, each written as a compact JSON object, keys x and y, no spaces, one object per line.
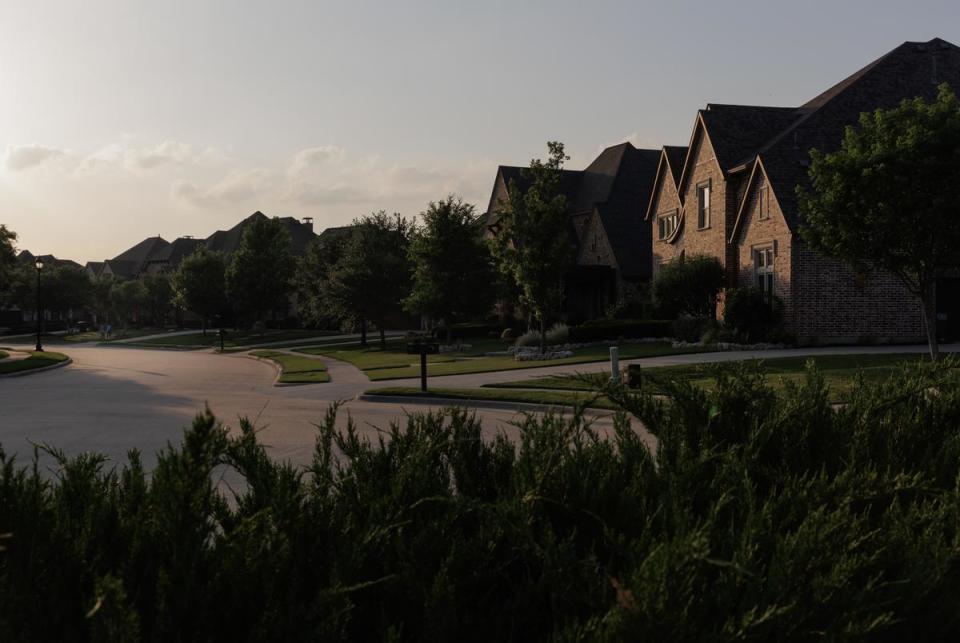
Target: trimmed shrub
{"x":529,"y":338}
{"x":688,"y":286}
{"x":751,"y":315}
{"x":604,"y":329}
{"x":758,"y":516}
{"x":692,"y":329}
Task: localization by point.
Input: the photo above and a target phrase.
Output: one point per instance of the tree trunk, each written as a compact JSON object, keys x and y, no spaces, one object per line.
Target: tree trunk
{"x":449,"y":333}
{"x":543,"y":334}
{"x":930,"y":318}
{"x":363,"y":331}
{"x":383,"y":338}
{"x":203,"y":325}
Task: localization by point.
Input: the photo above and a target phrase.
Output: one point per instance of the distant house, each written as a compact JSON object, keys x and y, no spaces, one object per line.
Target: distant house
{"x":732,"y":195}
{"x":155,"y":255}
{"x":606,"y":202}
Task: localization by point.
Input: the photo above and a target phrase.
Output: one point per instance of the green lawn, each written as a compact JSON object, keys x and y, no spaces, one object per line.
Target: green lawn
{"x":396,"y":363}
{"x":839,"y":372}
{"x":233,"y":339}
{"x":557,"y":398}
{"x":94,"y":335}
{"x":36,"y":360}
{"x":296,"y":369}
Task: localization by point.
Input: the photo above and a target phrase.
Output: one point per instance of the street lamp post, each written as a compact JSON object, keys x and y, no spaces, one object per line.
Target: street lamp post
{"x":39,"y":266}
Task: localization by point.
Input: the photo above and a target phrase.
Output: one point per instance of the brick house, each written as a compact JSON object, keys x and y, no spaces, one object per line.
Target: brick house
{"x":606,"y":202}
{"x":733,"y":197}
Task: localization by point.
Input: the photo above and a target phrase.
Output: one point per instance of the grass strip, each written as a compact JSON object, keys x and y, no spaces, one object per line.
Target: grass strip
{"x":36,"y":360}
{"x":296,"y":369}
{"x":554,"y":398}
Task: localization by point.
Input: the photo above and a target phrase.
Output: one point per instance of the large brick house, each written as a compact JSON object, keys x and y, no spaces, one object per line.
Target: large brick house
{"x":606,"y":202}
{"x":731,"y":194}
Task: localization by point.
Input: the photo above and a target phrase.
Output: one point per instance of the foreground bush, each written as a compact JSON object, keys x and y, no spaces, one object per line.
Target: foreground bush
{"x":758,"y":517}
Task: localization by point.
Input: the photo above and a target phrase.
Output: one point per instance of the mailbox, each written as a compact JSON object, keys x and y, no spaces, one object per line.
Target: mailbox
{"x":423,"y":348}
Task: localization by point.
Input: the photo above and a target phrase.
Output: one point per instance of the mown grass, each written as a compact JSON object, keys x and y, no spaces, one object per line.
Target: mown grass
{"x":296,"y":369}
{"x":840,"y":373}
{"x":759,"y":515}
{"x":35,"y":360}
{"x":550,"y":398}
{"x":395,"y":363}
{"x":233,"y":339}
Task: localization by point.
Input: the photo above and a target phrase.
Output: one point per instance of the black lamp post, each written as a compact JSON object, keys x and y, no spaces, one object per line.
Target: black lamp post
{"x":39,"y":265}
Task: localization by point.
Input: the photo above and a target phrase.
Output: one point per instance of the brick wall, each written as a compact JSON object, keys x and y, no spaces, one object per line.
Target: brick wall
{"x":665,"y":201}
{"x":835,"y":305}
{"x":764,"y":231}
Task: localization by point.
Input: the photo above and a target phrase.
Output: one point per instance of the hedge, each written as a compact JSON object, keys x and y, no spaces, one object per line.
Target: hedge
{"x":601,"y":329}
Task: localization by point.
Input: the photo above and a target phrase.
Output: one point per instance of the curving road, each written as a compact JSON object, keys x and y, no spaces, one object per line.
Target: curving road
{"x":112,"y":399}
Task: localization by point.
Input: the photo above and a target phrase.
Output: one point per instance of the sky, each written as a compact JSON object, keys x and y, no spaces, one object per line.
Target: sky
{"x":122,"y":119}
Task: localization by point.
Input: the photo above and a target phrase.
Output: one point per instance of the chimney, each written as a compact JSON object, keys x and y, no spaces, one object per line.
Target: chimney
{"x":308,"y":221}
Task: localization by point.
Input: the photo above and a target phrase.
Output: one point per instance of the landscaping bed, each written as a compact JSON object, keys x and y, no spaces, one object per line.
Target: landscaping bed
{"x":295,"y":369}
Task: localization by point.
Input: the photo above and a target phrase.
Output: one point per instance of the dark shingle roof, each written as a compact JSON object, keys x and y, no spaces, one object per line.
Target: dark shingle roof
{"x":738,"y":131}
{"x":177,"y":251}
{"x":143,"y":251}
{"x":676,"y":156}
{"x":122,"y":268}
{"x":227,"y":241}
{"x":912,"y":69}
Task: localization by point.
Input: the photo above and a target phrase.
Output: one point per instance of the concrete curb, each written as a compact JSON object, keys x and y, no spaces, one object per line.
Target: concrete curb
{"x":481,"y":404}
{"x":31,"y":371}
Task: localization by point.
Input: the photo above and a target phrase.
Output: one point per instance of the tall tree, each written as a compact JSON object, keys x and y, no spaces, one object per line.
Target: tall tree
{"x":159,"y":302}
{"x":8,"y":257}
{"x":533,"y":244}
{"x":887,"y":198}
{"x":312,"y":276}
{"x":373,"y":275}
{"x":200,"y":286}
{"x":126,"y":299}
{"x":63,"y":289}
{"x":259,"y":277}
{"x":452,"y":276}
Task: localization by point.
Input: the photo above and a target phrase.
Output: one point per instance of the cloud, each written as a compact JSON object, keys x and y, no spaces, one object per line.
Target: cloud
{"x":24,"y":157}
{"x":167,"y":152}
{"x":238,"y":187}
{"x":313,"y":158}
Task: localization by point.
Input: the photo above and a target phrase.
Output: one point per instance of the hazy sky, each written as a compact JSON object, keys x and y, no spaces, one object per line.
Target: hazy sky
{"x":121,"y":119}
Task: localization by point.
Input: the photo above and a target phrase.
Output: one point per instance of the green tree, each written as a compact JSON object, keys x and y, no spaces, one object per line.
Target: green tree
{"x":159,"y":302}
{"x":126,"y":300}
{"x":311,"y":278}
{"x":452,"y":276}
{"x":199,"y":284}
{"x":887,"y":198}
{"x":8,"y":257}
{"x":533,"y":244}
{"x":100,"y":299}
{"x":373,"y":275}
{"x":688,"y":286}
{"x":259,"y":277}
{"x":66,"y":291}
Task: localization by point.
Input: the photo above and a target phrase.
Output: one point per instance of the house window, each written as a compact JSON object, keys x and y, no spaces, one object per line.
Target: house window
{"x":666,"y":224}
{"x":763,"y":204}
{"x":763,"y":269}
{"x":703,"y":205}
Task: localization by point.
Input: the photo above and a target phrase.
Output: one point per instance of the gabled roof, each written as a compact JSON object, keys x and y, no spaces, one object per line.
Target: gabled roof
{"x":95,"y":267}
{"x":676,"y":155}
{"x":177,"y":251}
{"x":227,"y":241}
{"x":121,"y":268}
{"x":912,"y":69}
{"x":141,"y":252}
{"x":669,"y":166}
{"x":27,"y":257}
{"x":738,"y":131}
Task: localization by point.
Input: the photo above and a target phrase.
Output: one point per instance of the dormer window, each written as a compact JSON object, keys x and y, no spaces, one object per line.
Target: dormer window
{"x":667,"y":224}
{"x":703,"y":205}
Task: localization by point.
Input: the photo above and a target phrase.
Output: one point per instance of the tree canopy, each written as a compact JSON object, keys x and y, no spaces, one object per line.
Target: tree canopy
{"x":532,"y":243}
{"x":887,"y":198}
{"x":8,"y":256}
{"x":452,"y":276}
{"x":259,"y":277}
{"x":371,"y":278}
{"x":311,"y":281}
{"x":199,"y":285}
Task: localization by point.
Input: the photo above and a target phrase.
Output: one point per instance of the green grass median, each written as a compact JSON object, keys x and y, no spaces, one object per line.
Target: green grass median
{"x":395,"y":363}
{"x":35,"y":360}
{"x":296,"y":369}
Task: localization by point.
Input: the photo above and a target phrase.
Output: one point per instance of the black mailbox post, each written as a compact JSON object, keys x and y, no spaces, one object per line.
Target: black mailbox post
{"x":422,"y":348}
